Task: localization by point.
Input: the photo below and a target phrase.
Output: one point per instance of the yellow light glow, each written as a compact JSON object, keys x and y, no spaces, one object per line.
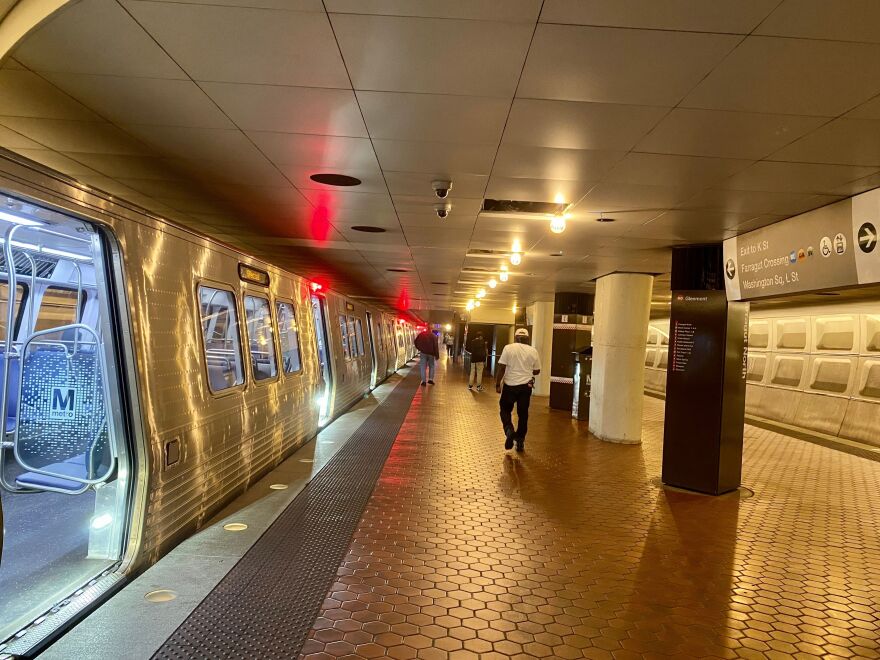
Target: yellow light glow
{"x":516,"y":246}
{"x":515,"y":259}
{"x":448,"y":327}
{"x":514,"y":308}
{"x":559,"y":199}
{"x":557,"y":224}
{"x":503,"y":275}
{"x":470,"y":305}
{"x":493,"y":283}
{"x":481,"y":293}
{"x":477,"y":304}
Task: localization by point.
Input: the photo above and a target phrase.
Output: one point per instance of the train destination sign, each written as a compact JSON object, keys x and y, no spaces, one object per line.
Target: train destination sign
{"x":831,"y":247}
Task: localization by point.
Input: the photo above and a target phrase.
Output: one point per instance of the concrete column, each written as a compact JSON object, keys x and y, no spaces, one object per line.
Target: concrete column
{"x":541,"y":318}
{"x":620,"y":332}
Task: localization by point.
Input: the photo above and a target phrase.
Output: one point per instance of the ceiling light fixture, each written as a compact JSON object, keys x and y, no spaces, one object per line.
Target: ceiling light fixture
{"x":476,"y":303}
{"x":503,"y":275}
{"x":515,"y":258}
{"x":557,"y":224}
{"x":493,"y":283}
{"x":481,"y":293}
{"x":470,"y":305}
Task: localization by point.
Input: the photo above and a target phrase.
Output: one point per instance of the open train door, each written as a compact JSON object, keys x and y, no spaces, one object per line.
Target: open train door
{"x":373,"y":355}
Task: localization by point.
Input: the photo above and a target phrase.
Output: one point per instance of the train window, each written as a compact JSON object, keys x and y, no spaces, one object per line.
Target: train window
{"x":288,"y":338}
{"x":343,"y":331}
{"x":352,"y":338}
{"x":359,"y":328}
{"x":261,"y":337}
{"x":20,"y":297}
{"x":58,"y":307}
{"x":220,"y":332}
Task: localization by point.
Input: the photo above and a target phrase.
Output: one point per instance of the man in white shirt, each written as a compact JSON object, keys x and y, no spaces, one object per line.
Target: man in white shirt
{"x":517,"y":368}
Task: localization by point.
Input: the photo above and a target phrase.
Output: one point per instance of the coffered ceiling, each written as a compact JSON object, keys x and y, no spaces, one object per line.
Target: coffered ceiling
{"x":683,"y":120}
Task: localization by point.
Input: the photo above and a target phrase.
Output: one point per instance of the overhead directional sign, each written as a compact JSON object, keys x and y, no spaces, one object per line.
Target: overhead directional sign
{"x":809,"y":252}
{"x":867,"y":237}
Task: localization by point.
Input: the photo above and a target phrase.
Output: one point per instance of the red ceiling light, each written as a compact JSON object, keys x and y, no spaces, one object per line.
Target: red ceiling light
{"x":316,"y":287}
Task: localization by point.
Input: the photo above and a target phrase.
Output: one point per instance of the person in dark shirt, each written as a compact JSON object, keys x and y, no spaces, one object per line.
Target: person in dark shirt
{"x":477,"y":348}
{"x":429,"y":351}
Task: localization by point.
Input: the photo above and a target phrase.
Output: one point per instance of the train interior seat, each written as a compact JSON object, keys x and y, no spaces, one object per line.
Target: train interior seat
{"x":51,"y":444}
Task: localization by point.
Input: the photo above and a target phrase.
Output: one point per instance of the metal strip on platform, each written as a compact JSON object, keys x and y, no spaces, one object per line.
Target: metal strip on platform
{"x":266,"y":604}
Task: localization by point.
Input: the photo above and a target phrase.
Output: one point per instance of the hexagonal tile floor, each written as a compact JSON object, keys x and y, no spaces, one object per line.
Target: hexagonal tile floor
{"x":573,"y":550}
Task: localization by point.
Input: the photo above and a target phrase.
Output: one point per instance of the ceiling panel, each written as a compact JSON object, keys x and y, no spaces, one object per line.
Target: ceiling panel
{"x":842,"y":141}
{"x":424,"y":205}
{"x":371,"y":177}
{"x":645,"y":67}
{"x":130,"y":167}
{"x":489,"y":10}
{"x":570,"y":125}
{"x":560,"y":164}
{"x":464,"y":186}
{"x":338,"y":201}
{"x":454,"y":222}
{"x":246,"y":45}
{"x":55,"y":160}
{"x":156,"y":101}
{"x":793,"y":76}
{"x":14,"y":140}
{"x":196,"y":143}
{"x":795,"y":177}
{"x":75,"y":136}
{"x":868,"y":110}
{"x":840,"y":20}
{"x":757,"y":202}
{"x":289,"y":109}
{"x":732,"y":16}
{"x":96,"y":36}
{"x":537,"y":190}
{"x":316,"y":150}
{"x":25,"y":94}
{"x":725,"y":134}
{"x":440,"y":54}
{"x":437,"y":158}
{"x":290,"y":5}
{"x":695,"y":226}
{"x":691,"y":172}
{"x":434,"y":117}
{"x":631,"y":197}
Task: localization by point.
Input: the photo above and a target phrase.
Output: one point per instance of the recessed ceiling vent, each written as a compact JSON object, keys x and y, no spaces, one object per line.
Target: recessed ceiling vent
{"x":476,"y":269}
{"x":519,"y":206}
{"x":480,"y":252}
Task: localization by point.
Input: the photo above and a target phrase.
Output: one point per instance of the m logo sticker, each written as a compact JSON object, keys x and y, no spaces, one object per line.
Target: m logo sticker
{"x":63,"y":403}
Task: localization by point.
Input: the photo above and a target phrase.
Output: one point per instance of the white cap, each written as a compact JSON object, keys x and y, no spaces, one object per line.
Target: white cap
{"x":521,"y":332}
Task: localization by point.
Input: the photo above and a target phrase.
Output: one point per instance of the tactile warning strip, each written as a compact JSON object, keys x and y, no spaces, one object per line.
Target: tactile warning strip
{"x":265,"y":606}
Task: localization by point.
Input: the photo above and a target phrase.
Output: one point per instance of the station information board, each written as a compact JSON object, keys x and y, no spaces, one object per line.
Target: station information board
{"x":831,"y":247}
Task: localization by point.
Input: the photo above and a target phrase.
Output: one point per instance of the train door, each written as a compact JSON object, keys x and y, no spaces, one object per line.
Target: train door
{"x":373,"y":354}
{"x":325,"y":388}
{"x":64,"y":461}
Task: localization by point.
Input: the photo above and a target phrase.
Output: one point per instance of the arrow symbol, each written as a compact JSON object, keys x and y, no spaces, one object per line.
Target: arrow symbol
{"x":867,"y":237}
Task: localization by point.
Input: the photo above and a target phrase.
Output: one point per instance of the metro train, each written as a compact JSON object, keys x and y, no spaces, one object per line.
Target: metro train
{"x":149,"y":375}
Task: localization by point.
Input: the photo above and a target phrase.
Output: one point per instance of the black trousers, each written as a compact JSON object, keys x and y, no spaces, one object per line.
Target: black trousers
{"x":520,"y":396}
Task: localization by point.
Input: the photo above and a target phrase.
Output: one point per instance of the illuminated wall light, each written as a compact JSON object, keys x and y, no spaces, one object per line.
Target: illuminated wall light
{"x":503,"y":275}
{"x":559,"y":199}
{"x":481,"y":293}
{"x":557,"y":224}
{"x":515,"y":259}
{"x":493,"y":283}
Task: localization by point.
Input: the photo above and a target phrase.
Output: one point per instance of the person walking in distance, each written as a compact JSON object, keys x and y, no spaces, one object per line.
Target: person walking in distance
{"x":429,"y":351}
{"x":449,"y":342}
{"x":477,"y":348}
{"x":517,"y":368}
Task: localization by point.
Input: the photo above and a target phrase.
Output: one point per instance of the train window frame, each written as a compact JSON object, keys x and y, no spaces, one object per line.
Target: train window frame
{"x":359,"y":333}
{"x":342,"y":324}
{"x":273,"y":326}
{"x":352,"y":337}
{"x":285,"y":301}
{"x":63,"y":287}
{"x":22,"y":304}
{"x":210,"y":284}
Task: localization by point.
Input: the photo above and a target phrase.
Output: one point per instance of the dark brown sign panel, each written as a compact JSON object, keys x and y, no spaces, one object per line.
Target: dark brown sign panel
{"x":705,"y":392}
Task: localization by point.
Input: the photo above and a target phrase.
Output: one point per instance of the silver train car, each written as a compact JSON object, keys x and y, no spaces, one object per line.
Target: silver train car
{"x":149,"y":375}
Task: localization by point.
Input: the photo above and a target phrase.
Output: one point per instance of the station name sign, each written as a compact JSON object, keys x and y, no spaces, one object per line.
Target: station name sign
{"x":832,"y":247}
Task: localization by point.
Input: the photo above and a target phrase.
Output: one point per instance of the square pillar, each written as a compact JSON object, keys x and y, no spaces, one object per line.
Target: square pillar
{"x":706,"y":376}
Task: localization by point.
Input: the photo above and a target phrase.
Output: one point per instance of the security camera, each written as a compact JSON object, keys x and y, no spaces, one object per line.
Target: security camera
{"x":441,"y":188}
{"x":442,"y":210}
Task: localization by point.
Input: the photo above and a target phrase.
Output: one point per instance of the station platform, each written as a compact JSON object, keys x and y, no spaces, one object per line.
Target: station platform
{"x":452,"y":547}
